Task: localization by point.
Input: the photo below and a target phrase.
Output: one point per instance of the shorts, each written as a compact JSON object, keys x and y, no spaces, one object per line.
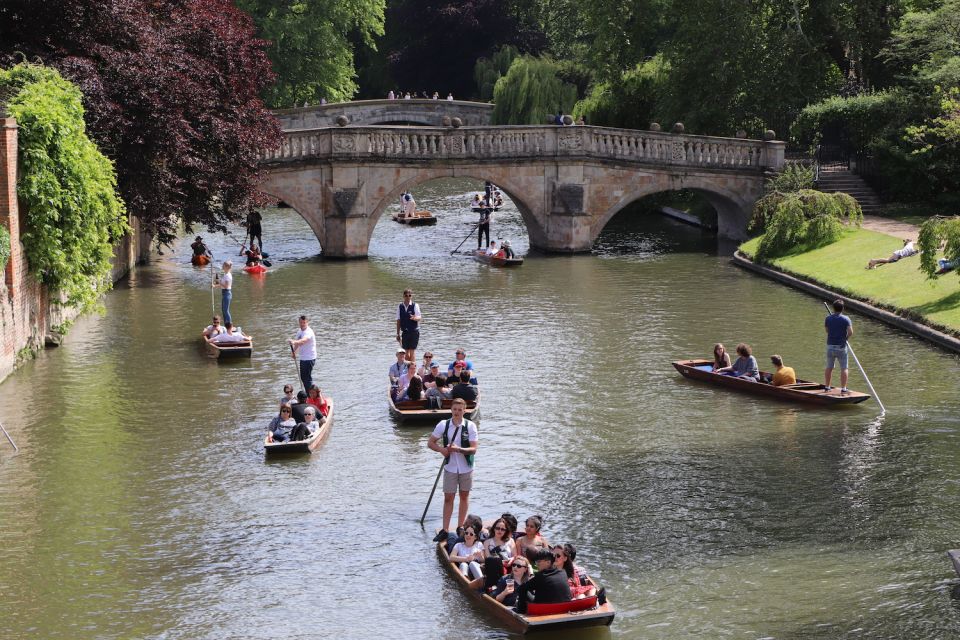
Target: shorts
{"x":835,"y":352}
{"x":452,"y":480}
{"x":410,"y":339}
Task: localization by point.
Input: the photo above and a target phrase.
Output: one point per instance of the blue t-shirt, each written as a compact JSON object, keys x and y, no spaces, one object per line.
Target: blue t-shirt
{"x":837,"y":324}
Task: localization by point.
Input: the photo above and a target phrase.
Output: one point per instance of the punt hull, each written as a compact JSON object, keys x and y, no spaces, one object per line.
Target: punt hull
{"x":303,"y":446}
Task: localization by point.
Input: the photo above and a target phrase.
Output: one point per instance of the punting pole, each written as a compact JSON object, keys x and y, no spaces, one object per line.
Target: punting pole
{"x":456,"y":433}
{"x":465,"y":239}
{"x":883,"y":409}
{"x":15,"y":445}
{"x":294,"y":354}
{"x":213,"y":304}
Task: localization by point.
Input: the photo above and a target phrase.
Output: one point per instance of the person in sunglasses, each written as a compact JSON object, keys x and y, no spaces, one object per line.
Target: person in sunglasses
{"x":549,"y":586}
{"x":507,"y":587}
{"x":281,"y":426}
{"x":213,"y":329}
{"x":580,"y":585}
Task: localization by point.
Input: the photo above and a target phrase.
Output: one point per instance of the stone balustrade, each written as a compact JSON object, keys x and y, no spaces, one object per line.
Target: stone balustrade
{"x":526,"y":142}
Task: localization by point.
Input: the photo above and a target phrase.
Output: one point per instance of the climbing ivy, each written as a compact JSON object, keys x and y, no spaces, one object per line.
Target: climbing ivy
{"x":936,"y":233}
{"x":801,"y":221}
{"x":67,"y":187}
{"x":4,"y":247}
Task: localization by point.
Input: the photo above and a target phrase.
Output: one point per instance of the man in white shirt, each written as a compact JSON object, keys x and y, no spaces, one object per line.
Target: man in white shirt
{"x":492,"y":249}
{"x":213,"y":330}
{"x":457,"y":440}
{"x":303,"y":347}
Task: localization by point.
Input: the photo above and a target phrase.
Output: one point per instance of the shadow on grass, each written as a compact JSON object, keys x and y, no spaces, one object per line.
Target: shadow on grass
{"x":943,"y":304}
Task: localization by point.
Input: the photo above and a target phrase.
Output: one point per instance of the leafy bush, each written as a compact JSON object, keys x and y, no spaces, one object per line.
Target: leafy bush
{"x":4,"y":247}
{"x":801,"y":221}
{"x":794,"y":177}
{"x":937,"y":232}
{"x":68,"y":188}
{"x":857,"y":120}
{"x":530,"y":92}
{"x":631,"y":102}
{"x":487,"y":71}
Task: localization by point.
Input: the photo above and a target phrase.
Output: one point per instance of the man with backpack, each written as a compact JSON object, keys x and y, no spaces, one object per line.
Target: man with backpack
{"x":456,"y":440}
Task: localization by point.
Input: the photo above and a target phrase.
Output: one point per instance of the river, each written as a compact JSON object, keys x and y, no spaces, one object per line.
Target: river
{"x":141,"y":504}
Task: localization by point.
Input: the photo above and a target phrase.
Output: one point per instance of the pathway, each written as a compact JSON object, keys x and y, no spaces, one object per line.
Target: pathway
{"x":891,"y":227}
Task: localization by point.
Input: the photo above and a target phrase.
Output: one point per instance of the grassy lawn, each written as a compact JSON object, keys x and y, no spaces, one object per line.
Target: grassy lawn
{"x":899,"y":286}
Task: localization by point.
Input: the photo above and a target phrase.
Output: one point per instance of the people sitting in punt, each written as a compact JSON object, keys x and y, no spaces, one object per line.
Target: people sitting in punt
{"x":464,"y":389}
{"x":230,"y":336}
{"x":469,"y":553}
{"x":721,"y":359}
{"x":409,"y":378}
{"x":492,"y":249}
{"x":782,"y":375}
{"x":285,"y":428}
{"x":438,"y":388}
{"x":287,"y":398}
{"x":548,"y":586}
{"x":424,"y":370}
{"x":409,"y":382}
{"x":477,"y":202}
{"x":531,"y":541}
{"x":315,"y":398}
{"x":398,"y":368}
{"x":745,"y":365}
{"x":461,"y":358}
{"x":214,"y":329}
{"x":497,"y":199}
{"x":579,"y":581}
{"x":299,"y":407}
{"x":253,"y":255}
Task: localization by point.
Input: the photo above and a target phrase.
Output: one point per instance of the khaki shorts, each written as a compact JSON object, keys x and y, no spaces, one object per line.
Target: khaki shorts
{"x":452,"y":480}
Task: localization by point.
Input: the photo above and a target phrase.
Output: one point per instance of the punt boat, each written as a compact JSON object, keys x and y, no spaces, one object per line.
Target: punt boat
{"x":479,"y":209}
{"x":200,"y":261}
{"x":802,"y":391}
{"x":255,"y":269}
{"x":304,"y":446}
{"x":585,"y":612}
{"x":421,"y":219}
{"x":480,"y":256}
{"x":229,"y":351}
{"x":417,"y":411}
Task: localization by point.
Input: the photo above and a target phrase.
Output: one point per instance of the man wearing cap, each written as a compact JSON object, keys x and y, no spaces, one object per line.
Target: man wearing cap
{"x":456,"y":439}
{"x":201,"y":255}
{"x":507,"y":250}
{"x":408,"y":325}
{"x":462,"y":359}
{"x":398,"y":368}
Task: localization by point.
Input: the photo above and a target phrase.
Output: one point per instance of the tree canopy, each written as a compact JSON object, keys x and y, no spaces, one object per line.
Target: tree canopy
{"x":171,"y":90}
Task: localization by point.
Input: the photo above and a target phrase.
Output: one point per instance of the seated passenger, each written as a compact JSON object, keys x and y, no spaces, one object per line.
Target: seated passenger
{"x":549,"y":586}
{"x":299,"y":407}
{"x":253,"y":255}
{"x":424,"y":370}
{"x":782,"y":375}
{"x":430,"y":375}
{"x":497,"y":199}
{"x":507,"y":250}
{"x":476,"y":202}
{"x":492,"y":249}
{"x":316,"y":399}
{"x":906,"y":251}
{"x":745,"y":366}
{"x":281,"y":426}
{"x":214,"y":329}
{"x":414,"y":390}
{"x":508,"y":586}
{"x":462,"y":358}
{"x":721,"y":359}
{"x":287,"y":398}
{"x":464,"y":389}
{"x":231,"y":336}
{"x":469,"y":553}
{"x":531,"y":541}
{"x":439,"y":388}
{"x":410,"y":372}
{"x":580,"y":585}
{"x":308,"y":427}
{"x":398,"y":368}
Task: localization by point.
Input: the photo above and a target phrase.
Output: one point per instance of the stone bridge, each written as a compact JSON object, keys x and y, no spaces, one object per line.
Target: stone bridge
{"x":567,"y":182}
{"x":433,"y":113}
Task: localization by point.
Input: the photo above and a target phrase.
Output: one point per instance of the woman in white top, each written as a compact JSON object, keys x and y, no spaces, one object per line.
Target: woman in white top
{"x":469,"y":554}
{"x":225,"y":282}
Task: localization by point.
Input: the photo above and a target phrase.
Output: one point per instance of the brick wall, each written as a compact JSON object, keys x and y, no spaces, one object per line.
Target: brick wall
{"x":26,"y":315}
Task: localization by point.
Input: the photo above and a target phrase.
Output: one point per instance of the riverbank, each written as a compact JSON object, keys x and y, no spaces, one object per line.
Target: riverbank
{"x":897,"y":293}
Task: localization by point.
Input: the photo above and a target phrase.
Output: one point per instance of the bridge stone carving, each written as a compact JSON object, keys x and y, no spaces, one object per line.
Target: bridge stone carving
{"x":567,"y":182}
{"x":383,"y":112}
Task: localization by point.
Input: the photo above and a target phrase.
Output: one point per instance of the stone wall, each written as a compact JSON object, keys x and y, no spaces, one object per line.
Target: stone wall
{"x":375,"y":112}
{"x":27,"y":319}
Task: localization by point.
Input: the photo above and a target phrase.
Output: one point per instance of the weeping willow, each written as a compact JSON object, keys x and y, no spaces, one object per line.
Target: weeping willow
{"x":487,"y":71}
{"x":801,"y":221}
{"x":530,"y":92}
{"x":936,"y":233}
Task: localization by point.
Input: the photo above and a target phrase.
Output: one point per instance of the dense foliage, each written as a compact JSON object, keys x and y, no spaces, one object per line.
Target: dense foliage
{"x":936,"y":234}
{"x":67,"y":187}
{"x":853,"y":121}
{"x":802,"y":220}
{"x":4,"y":247}
{"x":488,"y":70}
{"x":311,"y":47}
{"x":643,"y":88}
{"x":530,"y":92}
{"x":172,"y":94}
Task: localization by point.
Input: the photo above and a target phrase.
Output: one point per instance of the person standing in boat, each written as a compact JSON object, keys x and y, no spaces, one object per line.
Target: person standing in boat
{"x":484,"y":226}
{"x":408,"y":325}
{"x":457,"y":440}
{"x":409,"y":207}
{"x":254,"y":219}
{"x":305,"y":351}
{"x":200,"y":249}
{"x":839,"y":328}
{"x":225,"y":283}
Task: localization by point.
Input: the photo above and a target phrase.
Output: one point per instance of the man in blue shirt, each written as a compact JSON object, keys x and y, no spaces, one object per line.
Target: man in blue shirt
{"x":839,"y":328}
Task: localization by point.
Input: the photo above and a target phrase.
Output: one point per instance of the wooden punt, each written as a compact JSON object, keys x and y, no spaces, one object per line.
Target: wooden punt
{"x":304,"y":446}
{"x":480,"y":256}
{"x":594,"y":616}
{"x":479,"y":209}
{"x":421,"y":219}
{"x":802,"y":391}
{"x":417,"y":411}
{"x":229,"y":351}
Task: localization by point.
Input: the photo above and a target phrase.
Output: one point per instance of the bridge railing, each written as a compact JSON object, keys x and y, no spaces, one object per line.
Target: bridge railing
{"x":492,"y":143}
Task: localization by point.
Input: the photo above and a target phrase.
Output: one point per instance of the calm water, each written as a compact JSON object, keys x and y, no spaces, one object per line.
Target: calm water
{"x":141,"y":505}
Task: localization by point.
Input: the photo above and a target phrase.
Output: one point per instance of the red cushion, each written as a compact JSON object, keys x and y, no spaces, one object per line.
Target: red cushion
{"x":534,"y":609}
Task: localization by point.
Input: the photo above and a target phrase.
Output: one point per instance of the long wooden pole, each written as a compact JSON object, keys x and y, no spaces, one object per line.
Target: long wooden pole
{"x":883,"y":409}
{"x":16,"y":449}
{"x":465,"y":239}
{"x":297,"y":365}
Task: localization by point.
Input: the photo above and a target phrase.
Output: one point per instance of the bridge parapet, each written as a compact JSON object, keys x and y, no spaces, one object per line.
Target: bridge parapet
{"x":368,"y":113}
{"x":516,"y":142}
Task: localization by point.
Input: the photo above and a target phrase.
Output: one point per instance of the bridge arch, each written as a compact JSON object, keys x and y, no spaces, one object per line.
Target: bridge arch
{"x":303,"y":196}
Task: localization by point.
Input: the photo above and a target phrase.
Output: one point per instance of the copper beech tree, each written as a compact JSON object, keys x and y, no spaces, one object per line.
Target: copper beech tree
{"x":171,"y":92}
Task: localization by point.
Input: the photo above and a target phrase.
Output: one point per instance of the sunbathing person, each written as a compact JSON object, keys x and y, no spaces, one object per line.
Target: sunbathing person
{"x":721,"y":359}
{"x":905,"y":252}
{"x":745,"y":366}
{"x":946,"y":266}
{"x":782,"y":375}
{"x":531,"y":541}
{"x":231,"y":336}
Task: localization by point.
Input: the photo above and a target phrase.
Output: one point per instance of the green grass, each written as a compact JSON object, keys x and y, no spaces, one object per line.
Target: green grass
{"x":900,"y":286}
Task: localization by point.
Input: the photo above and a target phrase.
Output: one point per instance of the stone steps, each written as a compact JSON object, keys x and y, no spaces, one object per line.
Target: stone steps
{"x":844,"y":181}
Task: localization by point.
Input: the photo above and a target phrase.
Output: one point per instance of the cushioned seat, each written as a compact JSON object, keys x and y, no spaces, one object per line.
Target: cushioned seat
{"x":534,"y":609}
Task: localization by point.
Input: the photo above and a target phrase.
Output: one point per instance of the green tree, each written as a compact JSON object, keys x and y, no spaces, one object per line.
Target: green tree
{"x":67,"y":187}
{"x":937,"y":232}
{"x":488,"y":70}
{"x":310,"y":45}
{"x":530,"y":92}
{"x":632,"y":101}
